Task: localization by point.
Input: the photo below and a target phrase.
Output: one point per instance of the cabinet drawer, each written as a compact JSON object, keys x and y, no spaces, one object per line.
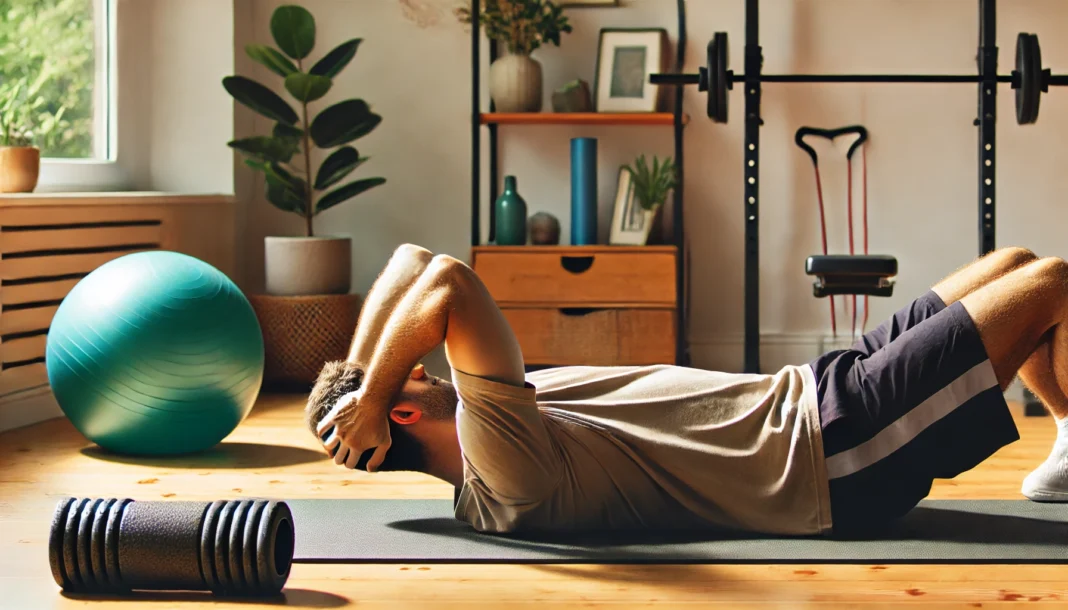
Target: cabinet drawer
{"x":578,"y":277}
{"x":594,"y":337}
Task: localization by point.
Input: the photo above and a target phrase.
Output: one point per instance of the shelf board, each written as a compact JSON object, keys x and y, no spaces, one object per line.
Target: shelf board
{"x":580,"y":118}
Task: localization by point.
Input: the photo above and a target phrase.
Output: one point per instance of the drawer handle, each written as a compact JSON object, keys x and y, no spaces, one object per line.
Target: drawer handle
{"x":576,"y":264}
{"x":579,"y":311}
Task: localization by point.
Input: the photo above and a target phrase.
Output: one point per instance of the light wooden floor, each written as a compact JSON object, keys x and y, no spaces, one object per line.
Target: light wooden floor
{"x":272,"y":455}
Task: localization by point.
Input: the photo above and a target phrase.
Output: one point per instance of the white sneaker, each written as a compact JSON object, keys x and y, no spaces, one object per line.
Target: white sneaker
{"x":1048,"y":482}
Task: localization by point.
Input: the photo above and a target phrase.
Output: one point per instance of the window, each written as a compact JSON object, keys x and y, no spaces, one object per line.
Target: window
{"x":56,"y":86}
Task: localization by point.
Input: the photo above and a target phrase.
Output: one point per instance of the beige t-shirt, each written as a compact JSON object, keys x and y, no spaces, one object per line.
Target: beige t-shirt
{"x":658,"y":447}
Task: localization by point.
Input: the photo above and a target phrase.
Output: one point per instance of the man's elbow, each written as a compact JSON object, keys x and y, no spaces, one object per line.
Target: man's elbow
{"x":450,"y":271}
{"x":413,"y":252}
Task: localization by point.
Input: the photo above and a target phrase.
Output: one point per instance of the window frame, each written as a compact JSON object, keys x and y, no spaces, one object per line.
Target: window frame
{"x":101,"y":172}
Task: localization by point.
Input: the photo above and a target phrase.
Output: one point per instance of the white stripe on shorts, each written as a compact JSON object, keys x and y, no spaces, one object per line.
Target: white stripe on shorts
{"x":898,"y":434}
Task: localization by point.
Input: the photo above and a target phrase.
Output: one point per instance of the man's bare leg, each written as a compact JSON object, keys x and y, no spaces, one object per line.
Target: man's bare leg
{"x":967,"y":279}
{"x":1035,"y":372}
{"x":1020,"y":321}
{"x":981,"y":272}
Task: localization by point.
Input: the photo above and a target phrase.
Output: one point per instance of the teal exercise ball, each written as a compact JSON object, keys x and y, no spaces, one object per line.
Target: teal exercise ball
{"x":155,"y":353}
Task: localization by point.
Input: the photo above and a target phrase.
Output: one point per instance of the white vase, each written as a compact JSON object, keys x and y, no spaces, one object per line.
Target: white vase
{"x":308,"y":265}
{"x":515,"y":84}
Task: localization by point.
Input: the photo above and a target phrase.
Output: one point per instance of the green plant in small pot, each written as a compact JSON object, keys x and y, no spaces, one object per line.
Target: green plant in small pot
{"x":521,"y":27}
{"x":20,"y":160}
{"x":310,"y":264}
{"x":651,"y":186}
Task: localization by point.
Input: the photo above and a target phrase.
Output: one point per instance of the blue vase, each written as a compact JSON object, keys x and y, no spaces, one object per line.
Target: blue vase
{"x":510,"y":228}
{"x":583,"y":191}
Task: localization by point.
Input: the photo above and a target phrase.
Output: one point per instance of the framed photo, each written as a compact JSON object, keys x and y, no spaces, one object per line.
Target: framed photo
{"x":625,"y":59}
{"x":631,"y":222}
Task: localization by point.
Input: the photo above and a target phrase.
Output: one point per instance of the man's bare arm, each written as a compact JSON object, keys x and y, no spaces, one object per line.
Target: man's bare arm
{"x":448,"y":303}
{"x":402,"y":271}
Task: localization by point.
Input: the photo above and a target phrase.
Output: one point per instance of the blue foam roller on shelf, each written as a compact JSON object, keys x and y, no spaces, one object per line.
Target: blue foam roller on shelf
{"x":583,"y":191}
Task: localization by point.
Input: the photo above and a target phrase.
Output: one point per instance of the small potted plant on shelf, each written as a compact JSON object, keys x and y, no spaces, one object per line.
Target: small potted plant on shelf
{"x":651,"y":186}
{"x":521,"y":27}
{"x":20,"y":160}
{"x":310,"y":264}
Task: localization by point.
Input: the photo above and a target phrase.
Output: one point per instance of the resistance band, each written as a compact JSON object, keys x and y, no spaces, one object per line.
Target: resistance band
{"x":831,"y":134}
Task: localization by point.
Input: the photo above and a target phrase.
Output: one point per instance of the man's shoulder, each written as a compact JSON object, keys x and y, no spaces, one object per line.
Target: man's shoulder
{"x":466,"y":382}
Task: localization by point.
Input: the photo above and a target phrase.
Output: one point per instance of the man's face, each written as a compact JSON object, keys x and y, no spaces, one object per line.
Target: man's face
{"x":432,"y":395}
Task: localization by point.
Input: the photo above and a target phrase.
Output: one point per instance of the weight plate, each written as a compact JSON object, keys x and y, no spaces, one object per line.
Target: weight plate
{"x":1036,"y":51}
{"x":1029,"y":74}
{"x":705,"y":78}
{"x":718,"y":83}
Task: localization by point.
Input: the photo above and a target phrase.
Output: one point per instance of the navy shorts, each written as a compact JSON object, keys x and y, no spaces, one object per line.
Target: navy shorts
{"x":912,"y":401}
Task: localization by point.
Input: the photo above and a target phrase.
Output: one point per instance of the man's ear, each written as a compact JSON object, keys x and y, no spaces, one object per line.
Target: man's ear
{"x":405,"y":414}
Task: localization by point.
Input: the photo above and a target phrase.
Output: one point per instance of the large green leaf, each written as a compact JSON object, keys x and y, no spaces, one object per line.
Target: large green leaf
{"x":260,"y":98}
{"x":266,"y":148}
{"x":307,"y":87}
{"x":342,"y":123}
{"x":337,"y":166}
{"x":287,"y":188}
{"x":284,"y":198}
{"x":288,"y":132}
{"x":293,"y":28}
{"x":271,"y":58}
{"x":284,"y":190}
{"x":335,"y":61}
{"x":347,"y":192}
{"x":291,"y":181}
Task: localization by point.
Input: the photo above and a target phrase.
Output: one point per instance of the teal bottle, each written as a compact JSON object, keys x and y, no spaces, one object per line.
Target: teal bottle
{"x":510,"y":228}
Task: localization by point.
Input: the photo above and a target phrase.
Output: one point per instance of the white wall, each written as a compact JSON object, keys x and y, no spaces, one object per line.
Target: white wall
{"x":418,"y":81}
{"x":414,"y":69}
{"x":174,"y":117}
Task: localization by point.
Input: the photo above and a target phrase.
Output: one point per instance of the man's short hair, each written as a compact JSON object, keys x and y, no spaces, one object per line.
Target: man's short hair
{"x":336,"y":379}
{"x":339,"y":378}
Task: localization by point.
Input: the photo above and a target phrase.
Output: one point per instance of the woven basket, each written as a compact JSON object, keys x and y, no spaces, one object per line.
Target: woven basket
{"x":301,"y":333}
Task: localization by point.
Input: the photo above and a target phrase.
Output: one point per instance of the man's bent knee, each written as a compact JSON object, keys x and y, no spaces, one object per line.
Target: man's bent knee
{"x":1049,"y":269}
{"x":1016,"y":256}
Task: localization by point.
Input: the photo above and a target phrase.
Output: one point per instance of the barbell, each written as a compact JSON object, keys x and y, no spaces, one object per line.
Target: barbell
{"x":1030,"y":80}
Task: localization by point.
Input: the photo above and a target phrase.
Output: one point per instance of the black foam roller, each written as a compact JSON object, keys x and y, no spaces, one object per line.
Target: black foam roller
{"x":228,"y":547}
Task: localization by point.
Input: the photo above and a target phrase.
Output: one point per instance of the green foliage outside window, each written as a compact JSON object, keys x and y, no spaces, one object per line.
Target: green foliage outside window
{"x":47,"y":76}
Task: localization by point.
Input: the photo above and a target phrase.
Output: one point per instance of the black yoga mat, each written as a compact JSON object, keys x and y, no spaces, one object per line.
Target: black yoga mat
{"x":425,"y":531}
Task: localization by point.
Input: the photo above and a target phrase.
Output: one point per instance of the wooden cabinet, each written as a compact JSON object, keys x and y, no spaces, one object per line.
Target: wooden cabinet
{"x":585,"y":305}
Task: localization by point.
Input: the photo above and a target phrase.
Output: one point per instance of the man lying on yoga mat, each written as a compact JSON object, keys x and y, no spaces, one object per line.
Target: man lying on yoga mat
{"x":853,"y":439}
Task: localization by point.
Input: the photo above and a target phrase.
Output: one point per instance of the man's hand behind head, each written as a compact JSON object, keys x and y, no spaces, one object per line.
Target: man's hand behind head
{"x":356,"y":427}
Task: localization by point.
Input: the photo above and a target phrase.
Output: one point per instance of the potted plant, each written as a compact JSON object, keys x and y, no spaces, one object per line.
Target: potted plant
{"x":521,"y":27}
{"x":309,"y":264}
{"x":651,"y":186}
{"x":20,"y":160}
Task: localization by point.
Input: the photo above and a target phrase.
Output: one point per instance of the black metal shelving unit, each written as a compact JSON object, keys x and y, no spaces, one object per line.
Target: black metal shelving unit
{"x":985,"y":122}
{"x":682,"y":355}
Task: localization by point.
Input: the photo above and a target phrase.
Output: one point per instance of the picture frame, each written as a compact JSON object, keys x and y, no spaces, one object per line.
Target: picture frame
{"x":625,"y":59}
{"x":631,"y":223}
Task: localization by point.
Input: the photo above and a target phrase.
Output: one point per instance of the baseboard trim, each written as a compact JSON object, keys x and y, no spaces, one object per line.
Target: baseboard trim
{"x":28,"y":407}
